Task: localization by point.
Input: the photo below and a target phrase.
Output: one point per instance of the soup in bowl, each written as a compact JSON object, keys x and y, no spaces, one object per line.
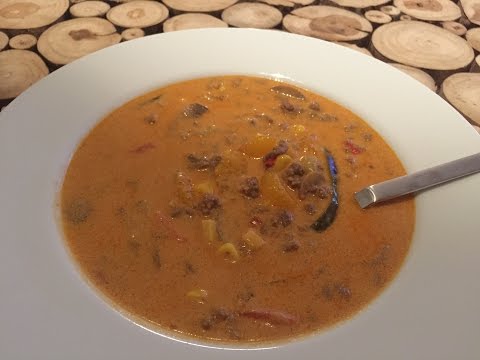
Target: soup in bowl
{"x":222,"y":209}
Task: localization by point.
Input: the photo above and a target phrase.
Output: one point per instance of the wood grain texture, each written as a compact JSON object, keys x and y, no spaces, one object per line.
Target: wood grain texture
{"x":430,"y":40}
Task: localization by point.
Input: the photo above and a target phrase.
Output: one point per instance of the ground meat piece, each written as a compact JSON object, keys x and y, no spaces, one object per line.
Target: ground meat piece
{"x":280,"y":149}
{"x":288,"y":107}
{"x":313,"y":183}
{"x":310,"y":209}
{"x":290,"y":245}
{"x":206,"y":323}
{"x":194,"y":110}
{"x":344,"y":291}
{"x":284,"y":218}
{"x":250,"y":187}
{"x":293,"y":175}
{"x":201,"y":162}
{"x":315,"y":106}
{"x":216,"y":316}
{"x":208,"y":204}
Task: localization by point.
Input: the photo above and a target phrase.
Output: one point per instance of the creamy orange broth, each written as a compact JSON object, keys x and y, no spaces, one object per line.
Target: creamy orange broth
{"x":158,"y":188}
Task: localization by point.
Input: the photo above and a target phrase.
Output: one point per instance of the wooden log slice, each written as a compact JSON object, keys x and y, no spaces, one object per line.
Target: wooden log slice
{"x":355,"y":47}
{"x":30,"y":14}
{"x":19,"y":69}
{"x":89,"y":9}
{"x":429,"y":10}
{"x":359,"y":4}
{"x":417,"y":74}
{"x":462,"y":90}
{"x":421,"y":45}
{"x":473,"y":38}
{"x":252,"y":15}
{"x":23,"y":42}
{"x":192,"y":21}
{"x":454,"y":27}
{"x":3,"y":40}
{"x":377,"y":17}
{"x":471,"y":9}
{"x":280,"y":3}
{"x":132,"y":33}
{"x":476,"y":65}
{"x":72,"y":39}
{"x":303,"y":2}
{"x":199,"y":5}
{"x":391,"y":10}
{"x":141,"y":14}
{"x":288,"y":3}
{"x":327,"y":23}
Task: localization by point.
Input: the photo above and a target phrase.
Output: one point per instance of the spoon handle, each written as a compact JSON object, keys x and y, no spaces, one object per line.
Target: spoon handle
{"x":418,"y":181}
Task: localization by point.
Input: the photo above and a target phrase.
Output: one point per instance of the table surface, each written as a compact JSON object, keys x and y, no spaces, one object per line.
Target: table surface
{"x":38,"y":39}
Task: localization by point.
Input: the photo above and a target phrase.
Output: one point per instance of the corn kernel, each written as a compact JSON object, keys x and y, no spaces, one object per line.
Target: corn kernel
{"x":298,"y":129}
{"x":198,"y":295}
{"x":229,"y":250}
{"x":209,"y":229}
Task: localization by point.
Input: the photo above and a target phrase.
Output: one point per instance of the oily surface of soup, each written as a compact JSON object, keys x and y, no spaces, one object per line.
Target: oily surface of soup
{"x":192,"y":207}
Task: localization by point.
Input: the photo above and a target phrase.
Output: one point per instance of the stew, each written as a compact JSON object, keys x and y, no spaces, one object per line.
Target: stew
{"x":222,"y":208}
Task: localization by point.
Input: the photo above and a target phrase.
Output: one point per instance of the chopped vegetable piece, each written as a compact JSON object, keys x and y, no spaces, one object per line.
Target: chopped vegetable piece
{"x":209,"y":228}
{"x":142,"y":148}
{"x":273,"y":191}
{"x":276,"y":317}
{"x":259,"y":146}
{"x":328,"y":217}
{"x":233,"y":163}
{"x":198,"y":295}
{"x":282,"y":162}
{"x":253,"y":240}
{"x":230,"y":251}
{"x":352,"y":148}
{"x":205,"y":187}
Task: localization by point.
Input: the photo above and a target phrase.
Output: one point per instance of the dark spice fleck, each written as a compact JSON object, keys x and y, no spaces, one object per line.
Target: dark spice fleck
{"x":156,"y":259}
{"x":78,"y":211}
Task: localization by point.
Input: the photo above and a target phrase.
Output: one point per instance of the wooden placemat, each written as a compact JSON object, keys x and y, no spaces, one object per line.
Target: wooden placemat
{"x":436,"y":42}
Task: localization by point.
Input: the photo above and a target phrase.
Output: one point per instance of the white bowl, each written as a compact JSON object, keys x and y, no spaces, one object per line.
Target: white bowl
{"x":430,"y":311}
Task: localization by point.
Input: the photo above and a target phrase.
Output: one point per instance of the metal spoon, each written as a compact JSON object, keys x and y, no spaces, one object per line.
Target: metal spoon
{"x":420,"y":180}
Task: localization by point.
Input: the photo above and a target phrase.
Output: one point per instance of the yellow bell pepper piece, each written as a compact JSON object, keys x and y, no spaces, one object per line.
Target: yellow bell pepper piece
{"x":253,"y":240}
